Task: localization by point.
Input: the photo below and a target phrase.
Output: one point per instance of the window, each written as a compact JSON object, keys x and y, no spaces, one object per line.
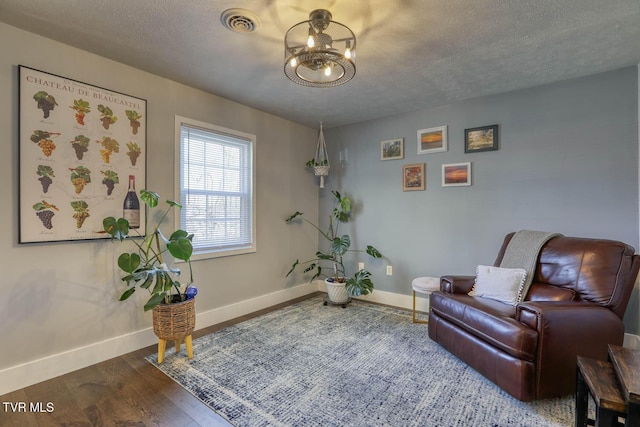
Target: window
{"x":216,"y":188}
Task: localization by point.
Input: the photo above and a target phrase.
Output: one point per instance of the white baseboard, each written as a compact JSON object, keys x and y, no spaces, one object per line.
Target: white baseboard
{"x":390,"y":298}
{"x":26,"y":374}
{"x":228,"y":312}
{"x":398,"y":300}
{"x":422,"y":305}
{"x":632,"y":341}
{"x":35,"y":371}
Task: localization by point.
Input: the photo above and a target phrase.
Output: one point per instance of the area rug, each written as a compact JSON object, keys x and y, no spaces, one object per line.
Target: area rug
{"x":364,"y":365}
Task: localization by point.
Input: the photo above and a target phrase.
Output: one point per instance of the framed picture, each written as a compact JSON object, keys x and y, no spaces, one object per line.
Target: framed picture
{"x":413,"y":177}
{"x":432,"y":140}
{"x":82,"y":158}
{"x":484,"y":138}
{"x":392,"y":149}
{"x":456,"y":174}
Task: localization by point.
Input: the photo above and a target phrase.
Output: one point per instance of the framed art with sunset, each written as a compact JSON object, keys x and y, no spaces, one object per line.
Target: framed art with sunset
{"x":456,"y":174}
{"x":432,"y":140}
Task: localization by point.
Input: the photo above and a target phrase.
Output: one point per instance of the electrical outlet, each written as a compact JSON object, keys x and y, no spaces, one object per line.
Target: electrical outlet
{"x":361,"y":266}
{"x":389,"y":270}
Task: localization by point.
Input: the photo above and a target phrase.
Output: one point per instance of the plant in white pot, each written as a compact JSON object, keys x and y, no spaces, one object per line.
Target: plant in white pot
{"x":172,"y":303}
{"x":340,"y":287}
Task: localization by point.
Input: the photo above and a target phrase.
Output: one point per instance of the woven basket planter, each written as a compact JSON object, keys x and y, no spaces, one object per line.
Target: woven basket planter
{"x":175,"y":321}
{"x":321,"y":170}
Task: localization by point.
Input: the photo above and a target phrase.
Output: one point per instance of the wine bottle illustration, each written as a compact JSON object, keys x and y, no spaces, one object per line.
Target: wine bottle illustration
{"x":131,"y":208}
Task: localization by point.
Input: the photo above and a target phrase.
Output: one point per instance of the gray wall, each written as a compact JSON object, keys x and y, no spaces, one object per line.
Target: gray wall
{"x":568,"y":162}
{"x":58,"y":297}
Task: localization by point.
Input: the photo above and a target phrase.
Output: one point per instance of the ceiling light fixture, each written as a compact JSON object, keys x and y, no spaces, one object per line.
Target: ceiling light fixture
{"x":320,"y":52}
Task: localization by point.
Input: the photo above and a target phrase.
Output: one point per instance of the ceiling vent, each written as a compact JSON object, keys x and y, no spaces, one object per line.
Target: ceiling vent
{"x":240,"y":20}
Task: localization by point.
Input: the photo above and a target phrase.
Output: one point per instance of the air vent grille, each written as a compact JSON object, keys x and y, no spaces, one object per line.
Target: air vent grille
{"x":240,"y":20}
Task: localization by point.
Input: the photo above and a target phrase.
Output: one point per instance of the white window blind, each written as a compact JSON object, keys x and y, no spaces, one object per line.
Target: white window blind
{"x":216,"y":189}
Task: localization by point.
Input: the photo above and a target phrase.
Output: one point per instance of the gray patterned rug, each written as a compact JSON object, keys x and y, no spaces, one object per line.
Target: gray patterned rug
{"x":366,"y":365}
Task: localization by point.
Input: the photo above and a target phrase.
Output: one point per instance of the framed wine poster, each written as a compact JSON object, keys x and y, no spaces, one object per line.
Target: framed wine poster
{"x":82,"y":158}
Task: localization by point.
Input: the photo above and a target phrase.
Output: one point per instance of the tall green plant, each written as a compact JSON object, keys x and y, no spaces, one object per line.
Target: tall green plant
{"x":145,"y":268}
{"x":358,"y":284}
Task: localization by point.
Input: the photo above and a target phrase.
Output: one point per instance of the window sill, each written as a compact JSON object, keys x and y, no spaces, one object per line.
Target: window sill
{"x":222,"y":253}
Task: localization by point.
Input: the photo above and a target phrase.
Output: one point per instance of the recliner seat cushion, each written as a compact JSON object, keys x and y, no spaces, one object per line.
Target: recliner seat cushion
{"x":489,"y":320}
{"x":543,"y":292}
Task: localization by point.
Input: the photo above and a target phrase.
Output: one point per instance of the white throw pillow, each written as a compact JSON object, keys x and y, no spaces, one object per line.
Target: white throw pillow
{"x":497,"y":283}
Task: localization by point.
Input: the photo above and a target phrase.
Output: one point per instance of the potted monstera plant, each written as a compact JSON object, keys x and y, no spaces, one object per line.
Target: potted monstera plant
{"x":146,"y":268}
{"x":340,"y":286}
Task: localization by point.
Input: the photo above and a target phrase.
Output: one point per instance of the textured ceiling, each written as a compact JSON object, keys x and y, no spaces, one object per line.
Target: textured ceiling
{"x":412,"y":54}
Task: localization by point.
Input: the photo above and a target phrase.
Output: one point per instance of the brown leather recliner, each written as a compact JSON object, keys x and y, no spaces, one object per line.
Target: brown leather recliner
{"x":575,"y":306}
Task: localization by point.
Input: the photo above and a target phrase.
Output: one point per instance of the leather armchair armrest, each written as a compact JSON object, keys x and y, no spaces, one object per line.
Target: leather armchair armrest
{"x":567,"y":329}
{"x":456,"y":284}
{"x":575,"y":316}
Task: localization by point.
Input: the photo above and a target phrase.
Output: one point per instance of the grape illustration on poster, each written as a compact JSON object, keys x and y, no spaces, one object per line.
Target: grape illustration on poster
{"x":82,"y":155}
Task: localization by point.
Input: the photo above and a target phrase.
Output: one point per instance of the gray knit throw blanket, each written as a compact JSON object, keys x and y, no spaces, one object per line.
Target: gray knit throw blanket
{"x":522,"y":252}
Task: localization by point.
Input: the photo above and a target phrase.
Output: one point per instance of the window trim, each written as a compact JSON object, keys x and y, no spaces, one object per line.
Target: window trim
{"x":206,"y":254}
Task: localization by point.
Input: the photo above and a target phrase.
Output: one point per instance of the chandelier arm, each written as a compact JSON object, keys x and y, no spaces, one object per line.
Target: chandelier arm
{"x":299,"y":46}
{"x":346,"y":39}
{"x":291,"y":49}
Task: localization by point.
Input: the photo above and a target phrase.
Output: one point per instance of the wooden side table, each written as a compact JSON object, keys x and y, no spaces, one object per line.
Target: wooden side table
{"x":598,"y":379}
{"x":626,"y":363}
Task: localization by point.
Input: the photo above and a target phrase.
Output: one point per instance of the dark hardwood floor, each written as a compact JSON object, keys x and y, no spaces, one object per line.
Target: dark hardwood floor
{"x":123,"y":391}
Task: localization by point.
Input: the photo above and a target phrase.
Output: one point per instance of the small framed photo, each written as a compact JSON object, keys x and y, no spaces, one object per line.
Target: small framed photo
{"x":392,"y":149}
{"x":456,"y":174}
{"x":413,"y":177}
{"x":432,"y":140}
{"x":483,"y":138}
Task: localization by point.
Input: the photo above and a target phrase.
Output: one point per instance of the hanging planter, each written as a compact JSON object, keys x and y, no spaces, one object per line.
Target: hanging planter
{"x":320,"y":162}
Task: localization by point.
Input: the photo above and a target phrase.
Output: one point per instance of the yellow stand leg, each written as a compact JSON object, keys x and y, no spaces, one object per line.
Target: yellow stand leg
{"x":162,"y":344}
{"x":188,"y":341}
{"x":414,"y":311}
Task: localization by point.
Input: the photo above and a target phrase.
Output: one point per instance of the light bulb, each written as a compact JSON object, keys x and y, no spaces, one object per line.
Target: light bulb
{"x":327,"y":71}
{"x":347,"y":51}
{"x":310,"y":41}
{"x":293,"y":62}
